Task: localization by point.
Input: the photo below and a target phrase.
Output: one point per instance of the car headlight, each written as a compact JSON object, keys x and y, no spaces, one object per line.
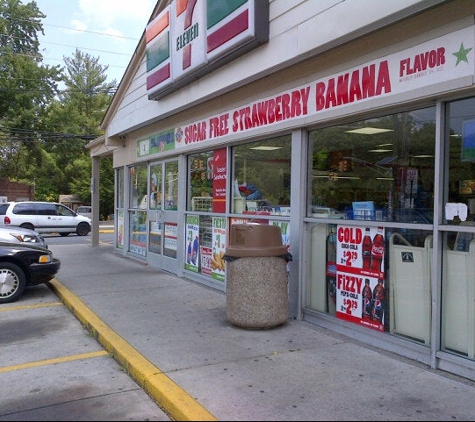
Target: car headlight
{"x":44,"y":259}
{"x":25,"y":238}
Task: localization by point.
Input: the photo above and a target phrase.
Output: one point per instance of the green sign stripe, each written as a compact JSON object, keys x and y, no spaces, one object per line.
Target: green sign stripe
{"x":158,"y":52}
{"x":217,"y":10}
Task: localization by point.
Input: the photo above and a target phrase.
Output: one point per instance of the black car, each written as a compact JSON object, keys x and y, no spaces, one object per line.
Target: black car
{"x":22,"y":265}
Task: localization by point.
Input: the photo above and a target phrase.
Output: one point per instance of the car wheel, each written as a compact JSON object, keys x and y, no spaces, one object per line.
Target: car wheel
{"x":83,"y":229}
{"x":28,"y":226}
{"x":63,"y":234}
{"x":12,"y":282}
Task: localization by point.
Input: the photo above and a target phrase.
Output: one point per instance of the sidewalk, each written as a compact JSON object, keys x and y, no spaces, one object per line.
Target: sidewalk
{"x":173,"y":337}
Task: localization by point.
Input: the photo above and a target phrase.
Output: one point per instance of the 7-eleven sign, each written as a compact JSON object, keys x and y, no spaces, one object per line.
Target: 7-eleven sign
{"x":186,"y":38}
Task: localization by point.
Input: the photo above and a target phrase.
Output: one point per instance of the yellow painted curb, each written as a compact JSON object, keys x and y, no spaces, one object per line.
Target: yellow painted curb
{"x":175,"y":401}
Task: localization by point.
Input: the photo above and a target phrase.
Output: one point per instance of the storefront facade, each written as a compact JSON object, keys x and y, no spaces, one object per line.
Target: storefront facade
{"x":359,"y":143}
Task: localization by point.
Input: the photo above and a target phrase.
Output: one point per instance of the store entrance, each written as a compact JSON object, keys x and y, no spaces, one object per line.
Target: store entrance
{"x":162,"y":216}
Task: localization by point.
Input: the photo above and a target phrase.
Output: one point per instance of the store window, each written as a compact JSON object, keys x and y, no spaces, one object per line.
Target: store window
{"x":155,"y":187}
{"x":458,"y":264}
{"x":261,"y":177}
{"x":171,"y":186}
{"x":205,"y":233}
{"x":119,"y":187}
{"x":138,"y":200}
{"x":201,"y":182}
{"x":378,"y":169}
{"x":120,"y":204}
{"x":365,"y":177}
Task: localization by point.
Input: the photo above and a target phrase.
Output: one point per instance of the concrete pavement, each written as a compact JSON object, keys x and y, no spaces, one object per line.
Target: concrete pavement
{"x":173,"y":337}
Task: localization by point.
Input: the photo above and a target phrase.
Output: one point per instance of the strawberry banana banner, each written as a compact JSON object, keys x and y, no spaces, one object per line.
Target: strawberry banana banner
{"x":360,"y":278}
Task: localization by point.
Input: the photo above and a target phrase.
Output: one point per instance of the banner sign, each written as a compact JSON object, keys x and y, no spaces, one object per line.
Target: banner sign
{"x":430,"y":64}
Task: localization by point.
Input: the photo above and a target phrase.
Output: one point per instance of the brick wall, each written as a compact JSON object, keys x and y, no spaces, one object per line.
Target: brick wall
{"x":16,"y":191}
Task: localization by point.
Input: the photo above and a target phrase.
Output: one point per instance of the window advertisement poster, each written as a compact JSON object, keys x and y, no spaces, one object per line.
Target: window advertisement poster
{"x":170,"y":245}
{"x":361,"y":295}
{"x":216,"y":168}
{"x":192,"y":243}
{"x":219,"y":248}
{"x":120,"y":229}
{"x":206,"y":257}
{"x":138,"y":233}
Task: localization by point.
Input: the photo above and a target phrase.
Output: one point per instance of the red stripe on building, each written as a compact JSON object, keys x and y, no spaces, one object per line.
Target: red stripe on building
{"x":227,"y":32}
{"x":159,"y":76}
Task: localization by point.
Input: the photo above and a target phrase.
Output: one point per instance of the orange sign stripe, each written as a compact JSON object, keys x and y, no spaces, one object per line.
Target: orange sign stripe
{"x":157,"y":27}
{"x":181,"y":6}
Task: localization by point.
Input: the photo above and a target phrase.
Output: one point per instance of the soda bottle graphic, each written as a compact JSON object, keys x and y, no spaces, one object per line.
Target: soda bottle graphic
{"x":377,"y":251}
{"x":379,"y":299}
{"x":367,"y":299}
{"x":366,"y":250}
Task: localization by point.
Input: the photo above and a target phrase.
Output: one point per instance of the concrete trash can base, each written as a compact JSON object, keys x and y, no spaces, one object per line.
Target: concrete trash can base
{"x":257,"y":298}
{"x":256,"y":271}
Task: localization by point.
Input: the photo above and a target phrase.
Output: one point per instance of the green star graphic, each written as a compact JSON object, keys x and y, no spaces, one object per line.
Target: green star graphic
{"x":462,"y":54}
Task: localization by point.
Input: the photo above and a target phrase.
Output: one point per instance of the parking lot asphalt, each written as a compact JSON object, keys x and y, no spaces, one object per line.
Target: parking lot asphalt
{"x":173,"y":337}
{"x":52,"y":369}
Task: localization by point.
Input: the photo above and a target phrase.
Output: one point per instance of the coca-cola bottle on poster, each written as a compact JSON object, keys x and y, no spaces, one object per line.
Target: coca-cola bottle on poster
{"x":377,"y":251}
{"x":367,"y":300}
{"x":366,"y":250}
{"x":379,"y":299}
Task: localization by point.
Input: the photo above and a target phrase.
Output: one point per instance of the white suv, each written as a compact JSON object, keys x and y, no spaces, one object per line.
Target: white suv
{"x":44,"y":217}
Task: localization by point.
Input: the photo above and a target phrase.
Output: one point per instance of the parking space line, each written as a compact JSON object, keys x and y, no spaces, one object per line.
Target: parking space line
{"x":177,"y":402}
{"x":21,"y":307}
{"x":53,"y":361}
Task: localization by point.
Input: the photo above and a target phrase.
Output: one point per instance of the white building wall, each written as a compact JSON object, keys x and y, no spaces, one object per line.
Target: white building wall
{"x":298,"y":29}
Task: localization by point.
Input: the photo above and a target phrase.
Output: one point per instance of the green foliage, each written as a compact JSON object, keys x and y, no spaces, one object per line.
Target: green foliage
{"x":44,"y":131}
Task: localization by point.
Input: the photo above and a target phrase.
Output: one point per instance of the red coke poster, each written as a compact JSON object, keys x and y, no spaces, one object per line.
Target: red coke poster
{"x":217,"y":168}
{"x":360,"y":275}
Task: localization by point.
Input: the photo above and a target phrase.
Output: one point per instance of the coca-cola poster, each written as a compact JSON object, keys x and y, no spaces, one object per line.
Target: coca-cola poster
{"x":361,"y":294}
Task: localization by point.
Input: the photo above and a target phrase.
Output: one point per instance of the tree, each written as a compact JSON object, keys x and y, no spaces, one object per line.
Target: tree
{"x":44,"y":131}
{"x":26,"y":88}
{"x":77,"y":113}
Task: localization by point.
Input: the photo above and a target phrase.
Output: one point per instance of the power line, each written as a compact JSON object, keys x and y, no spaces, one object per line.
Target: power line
{"x":75,"y":29}
{"x":92,"y":32}
{"x":6,"y":134}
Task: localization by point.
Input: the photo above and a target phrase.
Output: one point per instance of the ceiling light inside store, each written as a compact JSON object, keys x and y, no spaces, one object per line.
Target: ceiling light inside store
{"x":423,"y":156}
{"x":368,"y":130}
{"x":335,"y":177}
{"x":387,"y":160}
{"x":380,"y":150}
{"x":266,"y":148}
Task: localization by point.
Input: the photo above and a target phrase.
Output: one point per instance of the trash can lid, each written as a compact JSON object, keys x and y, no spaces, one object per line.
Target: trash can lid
{"x":255,"y":240}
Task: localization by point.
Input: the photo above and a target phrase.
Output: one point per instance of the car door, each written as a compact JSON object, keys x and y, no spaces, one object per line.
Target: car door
{"x":47,"y":217}
{"x":66,"y":219}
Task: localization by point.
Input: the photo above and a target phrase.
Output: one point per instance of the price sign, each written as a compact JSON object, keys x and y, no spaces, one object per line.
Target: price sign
{"x":349,"y":258}
{"x":349,"y":306}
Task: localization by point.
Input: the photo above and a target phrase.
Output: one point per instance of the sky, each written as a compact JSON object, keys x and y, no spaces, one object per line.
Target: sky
{"x":109,"y":30}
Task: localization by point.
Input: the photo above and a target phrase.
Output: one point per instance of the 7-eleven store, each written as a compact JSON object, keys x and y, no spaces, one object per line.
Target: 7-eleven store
{"x":330,"y":120}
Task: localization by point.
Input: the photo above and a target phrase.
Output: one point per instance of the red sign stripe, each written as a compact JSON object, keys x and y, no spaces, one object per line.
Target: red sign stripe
{"x":159,"y":76}
{"x":227,"y":32}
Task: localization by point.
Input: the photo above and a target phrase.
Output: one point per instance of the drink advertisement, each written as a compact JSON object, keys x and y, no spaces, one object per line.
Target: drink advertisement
{"x":360,"y":278}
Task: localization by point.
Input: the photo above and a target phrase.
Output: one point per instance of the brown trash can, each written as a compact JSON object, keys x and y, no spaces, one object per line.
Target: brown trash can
{"x":256,"y":277}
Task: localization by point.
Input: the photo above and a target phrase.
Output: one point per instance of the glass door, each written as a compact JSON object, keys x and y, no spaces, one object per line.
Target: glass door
{"x":162,"y":215}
